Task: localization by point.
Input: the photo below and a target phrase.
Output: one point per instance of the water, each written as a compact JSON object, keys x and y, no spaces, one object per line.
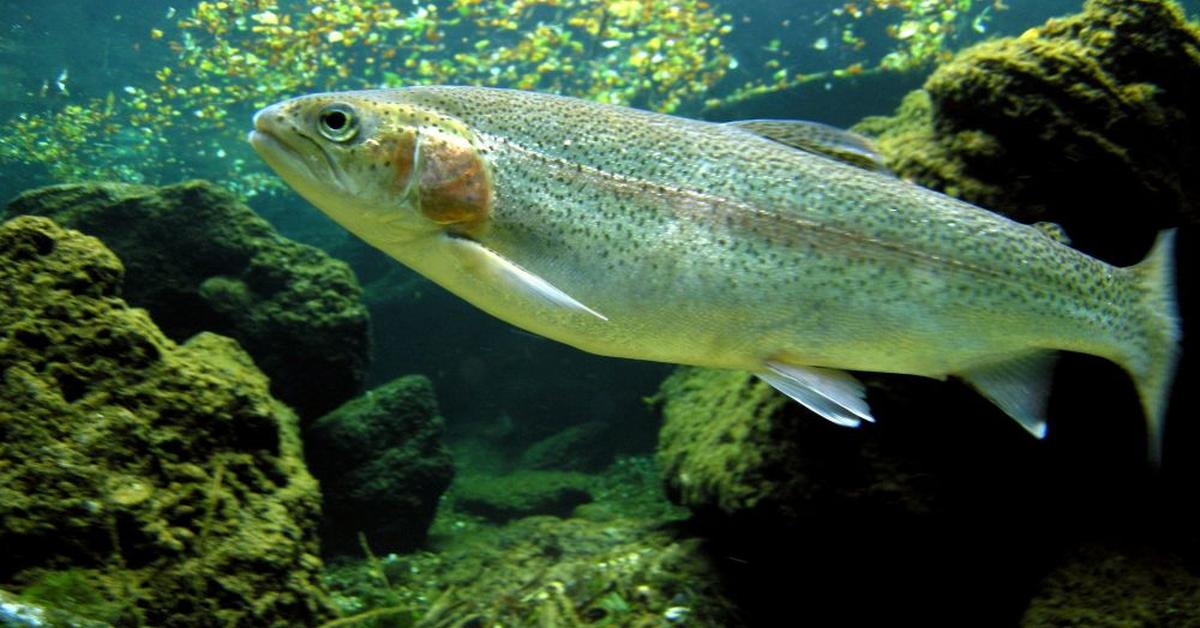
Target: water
{"x":161,"y":91}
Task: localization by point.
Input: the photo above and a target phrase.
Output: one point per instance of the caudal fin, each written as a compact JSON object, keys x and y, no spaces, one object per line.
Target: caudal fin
{"x":1153,"y":364}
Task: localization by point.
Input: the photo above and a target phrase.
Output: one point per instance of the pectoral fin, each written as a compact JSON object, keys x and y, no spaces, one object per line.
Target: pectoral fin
{"x":508,"y":273}
{"x":835,"y":395}
{"x":1020,"y":386}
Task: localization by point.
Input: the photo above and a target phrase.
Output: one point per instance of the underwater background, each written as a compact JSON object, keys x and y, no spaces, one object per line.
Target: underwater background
{"x":370,"y":450}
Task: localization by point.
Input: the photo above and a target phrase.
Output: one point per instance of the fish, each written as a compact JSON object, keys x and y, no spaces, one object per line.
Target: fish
{"x":782,"y":248}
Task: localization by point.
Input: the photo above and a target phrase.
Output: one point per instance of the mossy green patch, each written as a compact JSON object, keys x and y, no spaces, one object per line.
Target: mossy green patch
{"x":546,"y":571}
{"x":200,"y":260}
{"x":77,"y":591}
{"x":582,"y":447}
{"x":522,"y":494}
{"x":166,"y":471}
{"x":730,"y":444}
{"x":717,"y":431}
{"x":1117,"y":587}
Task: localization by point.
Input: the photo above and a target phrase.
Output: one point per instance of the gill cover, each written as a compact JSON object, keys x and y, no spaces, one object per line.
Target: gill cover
{"x":443,"y":175}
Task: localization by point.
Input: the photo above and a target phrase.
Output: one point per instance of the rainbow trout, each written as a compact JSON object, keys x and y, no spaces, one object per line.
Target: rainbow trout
{"x":776,"y":247}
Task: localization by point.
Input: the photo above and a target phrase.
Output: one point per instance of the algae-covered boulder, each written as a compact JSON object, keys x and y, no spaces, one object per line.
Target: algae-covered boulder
{"x":522,"y":494}
{"x":199,"y":260}
{"x":1117,"y":585}
{"x":582,"y":447}
{"x":161,"y":481}
{"x":382,"y":466}
{"x":1088,"y":121}
{"x":943,"y":494}
{"x":730,"y":444}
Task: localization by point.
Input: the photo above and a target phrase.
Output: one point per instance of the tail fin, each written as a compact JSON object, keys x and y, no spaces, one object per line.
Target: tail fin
{"x":1158,"y":318}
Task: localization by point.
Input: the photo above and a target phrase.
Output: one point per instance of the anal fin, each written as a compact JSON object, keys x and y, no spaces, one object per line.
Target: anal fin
{"x":1019,"y":386}
{"x":833,"y":394}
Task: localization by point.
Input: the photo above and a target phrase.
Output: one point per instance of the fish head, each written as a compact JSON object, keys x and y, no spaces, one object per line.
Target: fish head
{"x":387,"y":170}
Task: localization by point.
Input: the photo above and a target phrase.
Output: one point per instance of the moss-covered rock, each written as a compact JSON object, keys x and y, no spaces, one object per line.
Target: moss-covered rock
{"x":524,"y":493}
{"x":199,"y":260}
{"x":1087,"y":121}
{"x":730,"y":444}
{"x":582,"y":447}
{"x":382,"y":466}
{"x":162,"y":477}
{"x":1112,"y":586}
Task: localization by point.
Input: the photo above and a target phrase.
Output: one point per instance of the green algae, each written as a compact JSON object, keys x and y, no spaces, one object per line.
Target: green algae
{"x":75,"y":591}
{"x":166,"y":471}
{"x":550,"y":572}
{"x":1115,"y":586}
{"x":1083,"y":122}
{"x":716,"y":432}
{"x":200,"y":260}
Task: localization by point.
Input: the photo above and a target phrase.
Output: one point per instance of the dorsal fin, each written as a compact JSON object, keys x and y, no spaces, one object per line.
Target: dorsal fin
{"x":822,"y":139}
{"x":1054,"y":231}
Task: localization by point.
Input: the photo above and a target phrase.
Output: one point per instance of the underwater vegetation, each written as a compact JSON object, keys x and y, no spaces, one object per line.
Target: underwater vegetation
{"x":146,"y":479}
{"x":200,"y":260}
{"x":222,"y":60}
{"x":143,"y":482}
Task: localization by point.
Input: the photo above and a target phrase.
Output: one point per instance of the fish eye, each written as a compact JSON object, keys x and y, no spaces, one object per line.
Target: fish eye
{"x":338,"y":123}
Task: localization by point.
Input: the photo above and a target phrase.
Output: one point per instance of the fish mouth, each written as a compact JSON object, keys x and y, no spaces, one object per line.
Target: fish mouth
{"x":292,"y":161}
{"x":278,"y":154}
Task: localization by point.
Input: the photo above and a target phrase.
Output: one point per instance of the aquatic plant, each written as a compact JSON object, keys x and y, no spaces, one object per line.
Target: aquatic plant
{"x":927,"y":29}
{"x":230,"y":57}
{"x":77,"y":591}
{"x":226,"y":58}
{"x":922,"y":33}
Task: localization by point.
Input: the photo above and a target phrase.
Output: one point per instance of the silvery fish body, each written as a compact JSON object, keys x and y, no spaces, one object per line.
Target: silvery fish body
{"x":640,"y":235}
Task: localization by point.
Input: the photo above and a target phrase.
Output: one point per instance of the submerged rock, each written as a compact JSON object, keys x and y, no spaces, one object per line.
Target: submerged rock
{"x":161,"y":480}
{"x":1106,"y":585}
{"x":582,"y":447}
{"x":525,"y":493}
{"x":732,"y":445}
{"x":382,"y":466}
{"x":199,"y":260}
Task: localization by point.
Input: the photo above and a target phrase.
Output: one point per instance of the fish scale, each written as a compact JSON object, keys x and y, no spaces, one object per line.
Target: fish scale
{"x":744,"y":245}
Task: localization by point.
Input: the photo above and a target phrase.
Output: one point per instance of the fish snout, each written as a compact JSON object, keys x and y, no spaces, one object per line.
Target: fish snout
{"x":269,"y":129}
{"x":266,"y":119}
